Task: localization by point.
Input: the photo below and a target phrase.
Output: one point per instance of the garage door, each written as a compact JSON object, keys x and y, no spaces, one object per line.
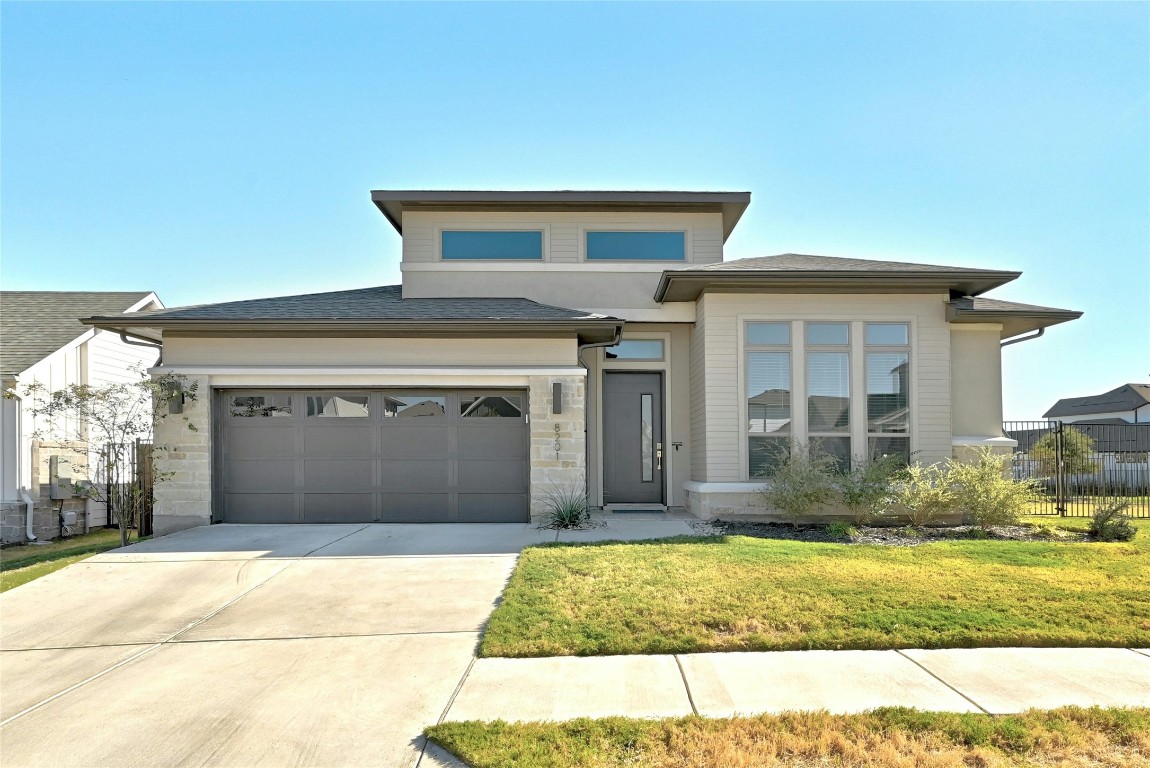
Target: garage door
{"x":371,"y":456}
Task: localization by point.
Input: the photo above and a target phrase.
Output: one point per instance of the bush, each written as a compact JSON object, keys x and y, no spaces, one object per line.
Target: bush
{"x":801,"y":482}
{"x":1111,"y":523}
{"x":986,"y":494}
{"x":1077,"y":453}
{"x":922,"y":494}
{"x":865,"y":490}
{"x":567,"y":505}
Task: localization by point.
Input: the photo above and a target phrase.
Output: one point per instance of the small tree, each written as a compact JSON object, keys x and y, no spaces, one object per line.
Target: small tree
{"x":1077,"y":450}
{"x":102,"y":423}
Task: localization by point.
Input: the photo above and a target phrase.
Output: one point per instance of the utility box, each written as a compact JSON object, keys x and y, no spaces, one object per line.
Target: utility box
{"x":59,"y":479}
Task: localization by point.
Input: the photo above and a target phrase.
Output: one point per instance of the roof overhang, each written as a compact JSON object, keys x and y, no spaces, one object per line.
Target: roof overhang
{"x":393,"y":203}
{"x":590,"y":330}
{"x":687,"y":285}
{"x":1014,"y":321}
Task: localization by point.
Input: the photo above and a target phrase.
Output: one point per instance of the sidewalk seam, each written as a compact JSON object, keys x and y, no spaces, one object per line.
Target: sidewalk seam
{"x":686,"y":685}
{"x":948,"y":685}
{"x":458,"y":688}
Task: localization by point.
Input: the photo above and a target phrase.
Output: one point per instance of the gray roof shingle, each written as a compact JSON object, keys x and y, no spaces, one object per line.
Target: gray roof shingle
{"x":34,"y":324}
{"x":382,"y":303}
{"x":980,"y":304}
{"x":803,"y":262}
{"x":1125,"y":398}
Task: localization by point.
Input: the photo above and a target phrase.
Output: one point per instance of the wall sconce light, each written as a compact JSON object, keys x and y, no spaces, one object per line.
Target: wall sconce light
{"x":556,"y":397}
{"x":175,"y":391}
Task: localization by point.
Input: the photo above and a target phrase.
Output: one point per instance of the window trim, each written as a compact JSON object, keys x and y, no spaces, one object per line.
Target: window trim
{"x":688,"y":241}
{"x":859,"y":429}
{"x":587,"y":232}
{"x":467,"y":226}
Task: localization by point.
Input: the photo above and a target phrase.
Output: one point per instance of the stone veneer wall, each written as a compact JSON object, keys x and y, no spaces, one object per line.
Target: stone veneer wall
{"x":558,"y":441}
{"x":45,"y":511}
{"x":184,"y":499}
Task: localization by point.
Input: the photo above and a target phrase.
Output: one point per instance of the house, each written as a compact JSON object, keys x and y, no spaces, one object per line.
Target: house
{"x":42,"y":340}
{"x":547,"y":339}
{"x":1128,"y":403}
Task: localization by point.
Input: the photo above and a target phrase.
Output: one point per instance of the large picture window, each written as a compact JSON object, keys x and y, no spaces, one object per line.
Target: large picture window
{"x":830,"y":357}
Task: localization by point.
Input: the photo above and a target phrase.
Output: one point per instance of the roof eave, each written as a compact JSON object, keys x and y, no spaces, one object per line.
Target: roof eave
{"x":1014,"y":322}
{"x":691,"y":283}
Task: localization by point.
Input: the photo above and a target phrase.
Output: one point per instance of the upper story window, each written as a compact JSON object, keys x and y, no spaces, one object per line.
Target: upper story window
{"x":502,"y":245}
{"x":636,"y":246}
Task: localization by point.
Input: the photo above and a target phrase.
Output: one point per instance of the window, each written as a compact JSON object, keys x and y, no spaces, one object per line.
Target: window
{"x":636,"y":246}
{"x":768,"y":394}
{"x":491,"y":244}
{"x":338,"y":406}
{"x":412,"y":406}
{"x":836,"y":368}
{"x":635,"y":349}
{"x":888,"y":389}
{"x":263,"y":406}
{"x":495,"y":406}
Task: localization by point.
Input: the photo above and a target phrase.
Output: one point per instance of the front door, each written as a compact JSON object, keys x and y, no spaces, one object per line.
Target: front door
{"x":632,"y":438}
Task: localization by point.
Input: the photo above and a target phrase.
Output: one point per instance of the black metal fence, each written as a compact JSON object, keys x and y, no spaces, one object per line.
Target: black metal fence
{"x":1084,"y":465}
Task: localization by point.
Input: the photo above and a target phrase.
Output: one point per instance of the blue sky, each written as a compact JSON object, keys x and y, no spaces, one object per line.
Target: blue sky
{"x":224,"y":150}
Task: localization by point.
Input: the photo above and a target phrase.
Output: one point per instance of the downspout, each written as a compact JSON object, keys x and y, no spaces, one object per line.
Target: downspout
{"x":29,"y":506}
{"x":1018,"y":339}
{"x":586,"y":421}
{"x":124,"y":338}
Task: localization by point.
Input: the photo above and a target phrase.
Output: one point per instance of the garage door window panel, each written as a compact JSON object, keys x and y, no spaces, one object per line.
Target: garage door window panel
{"x":414,"y":406}
{"x":493,"y":406}
{"x":338,"y":407}
{"x":261,"y":406}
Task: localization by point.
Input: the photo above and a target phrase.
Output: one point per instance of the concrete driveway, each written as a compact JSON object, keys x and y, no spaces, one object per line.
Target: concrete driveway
{"x":250,"y":646}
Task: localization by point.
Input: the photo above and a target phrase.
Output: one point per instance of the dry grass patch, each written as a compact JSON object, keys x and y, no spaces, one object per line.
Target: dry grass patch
{"x":738,"y":593}
{"x":885,"y":738}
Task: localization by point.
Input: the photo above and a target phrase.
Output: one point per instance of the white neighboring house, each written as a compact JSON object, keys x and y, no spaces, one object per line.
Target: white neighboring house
{"x":42,"y":340}
{"x":1129,"y":403}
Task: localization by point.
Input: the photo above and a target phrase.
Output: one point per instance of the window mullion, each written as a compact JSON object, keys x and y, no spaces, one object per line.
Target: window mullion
{"x":858,"y":398}
{"x":798,"y":383}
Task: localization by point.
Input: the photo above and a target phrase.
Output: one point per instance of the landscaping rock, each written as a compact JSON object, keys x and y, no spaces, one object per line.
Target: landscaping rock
{"x":887,"y":536}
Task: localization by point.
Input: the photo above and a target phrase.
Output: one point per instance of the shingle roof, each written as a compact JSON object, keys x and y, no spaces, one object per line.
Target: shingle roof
{"x":1125,"y":398}
{"x":803,"y":262}
{"x":34,"y":324}
{"x":980,"y":304}
{"x":366,"y":304}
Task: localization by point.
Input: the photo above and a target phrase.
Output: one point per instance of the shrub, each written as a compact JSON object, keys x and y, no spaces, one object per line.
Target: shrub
{"x":865,"y":490}
{"x":801,"y":482}
{"x":1111,"y":523}
{"x":922,"y":494}
{"x":841,"y":531}
{"x":567,"y":505}
{"x":986,"y":494}
{"x":1077,"y":450}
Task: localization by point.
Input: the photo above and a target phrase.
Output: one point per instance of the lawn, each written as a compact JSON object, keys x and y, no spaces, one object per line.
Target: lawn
{"x":19,"y":565}
{"x":746,"y":594}
{"x":883,"y":738}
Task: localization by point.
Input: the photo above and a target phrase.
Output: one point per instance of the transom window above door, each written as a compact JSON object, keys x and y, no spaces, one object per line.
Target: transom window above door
{"x":635,"y":349}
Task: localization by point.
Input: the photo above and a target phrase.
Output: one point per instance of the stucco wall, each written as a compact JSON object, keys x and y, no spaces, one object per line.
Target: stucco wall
{"x":976,"y":386}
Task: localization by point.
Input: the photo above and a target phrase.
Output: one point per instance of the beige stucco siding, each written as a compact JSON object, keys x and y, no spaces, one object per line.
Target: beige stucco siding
{"x":698,"y":393}
{"x":201,"y":350}
{"x":976,"y":391}
{"x":720,"y":395}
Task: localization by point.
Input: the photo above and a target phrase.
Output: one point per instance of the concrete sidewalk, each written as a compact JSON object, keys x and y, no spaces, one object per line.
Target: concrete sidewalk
{"x":991,"y":680}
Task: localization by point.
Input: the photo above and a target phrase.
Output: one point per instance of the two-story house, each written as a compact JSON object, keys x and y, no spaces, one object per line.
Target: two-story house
{"x":546,"y":339}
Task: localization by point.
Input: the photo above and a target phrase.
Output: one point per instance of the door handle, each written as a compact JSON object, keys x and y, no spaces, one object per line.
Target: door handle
{"x":658,"y":456}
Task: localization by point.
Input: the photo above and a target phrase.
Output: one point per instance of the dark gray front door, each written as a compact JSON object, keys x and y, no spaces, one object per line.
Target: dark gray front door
{"x":632,"y":438}
{"x":344,"y":456}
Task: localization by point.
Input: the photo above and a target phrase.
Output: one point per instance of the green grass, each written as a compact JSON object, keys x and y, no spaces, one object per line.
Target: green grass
{"x":19,"y":565}
{"x":740,"y":594}
{"x":884,"y":738}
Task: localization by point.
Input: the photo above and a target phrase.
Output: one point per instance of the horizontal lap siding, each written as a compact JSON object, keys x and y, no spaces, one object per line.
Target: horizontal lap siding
{"x":368,"y":351}
{"x":718,"y":395}
{"x":698,"y":394}
{"x":111,"y":361}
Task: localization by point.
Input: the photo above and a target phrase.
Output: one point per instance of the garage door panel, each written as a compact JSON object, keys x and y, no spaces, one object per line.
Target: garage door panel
{"x":415,"y":442}
{"x":256,"y":475}
{"x":338,"y":440}
{"x":416,"y":508}
{"x":261,"y":508}
{"x":502,"y":441}
{"x":492,"y":508}
{"x":338,"y":475}
{"x":414,"y":476}
{"x":335,"y":507}
{"x":259,"y":442}
{"x":492,"y":476}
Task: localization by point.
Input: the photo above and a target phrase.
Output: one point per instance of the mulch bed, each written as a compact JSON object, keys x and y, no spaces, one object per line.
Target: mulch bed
{"x":887,"y":536}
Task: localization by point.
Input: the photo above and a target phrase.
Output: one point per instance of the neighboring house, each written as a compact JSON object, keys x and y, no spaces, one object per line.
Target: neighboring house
{"x":42,"y":340}
{"x":1129,"y":403}
{"x":544,"y":339}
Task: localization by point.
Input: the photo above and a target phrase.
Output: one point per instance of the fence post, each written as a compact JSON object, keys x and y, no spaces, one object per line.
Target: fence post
{"x":1060,"y":472}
